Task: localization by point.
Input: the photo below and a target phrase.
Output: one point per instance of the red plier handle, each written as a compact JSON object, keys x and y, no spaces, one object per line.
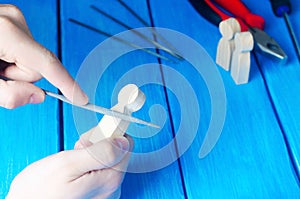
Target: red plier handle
{"x":210,"y":10}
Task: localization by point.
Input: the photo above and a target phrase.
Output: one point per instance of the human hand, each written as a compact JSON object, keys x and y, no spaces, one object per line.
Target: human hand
{"x":92,"y":172}
{"x":25,"y":61}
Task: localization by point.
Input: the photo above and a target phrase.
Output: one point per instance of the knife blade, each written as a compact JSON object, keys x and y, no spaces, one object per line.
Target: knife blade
{"x":102,"y":110}
{"x":97,"y":109}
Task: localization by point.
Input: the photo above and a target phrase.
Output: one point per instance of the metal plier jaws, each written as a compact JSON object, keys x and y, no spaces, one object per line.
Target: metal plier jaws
{"x":267,"y":44}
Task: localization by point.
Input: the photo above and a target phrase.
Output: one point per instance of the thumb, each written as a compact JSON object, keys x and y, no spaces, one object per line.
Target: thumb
{"x":16,"y":93}
{"x":104,"y":154}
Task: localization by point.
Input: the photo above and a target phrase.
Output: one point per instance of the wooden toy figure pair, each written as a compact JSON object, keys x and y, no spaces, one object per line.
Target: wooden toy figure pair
{"x":233,"y":51}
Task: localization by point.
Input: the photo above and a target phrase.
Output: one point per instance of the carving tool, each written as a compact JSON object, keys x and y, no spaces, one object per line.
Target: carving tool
{"x":102,"y":110}
{"x":248,"y":21}
{"x":120,"y":39}
{"x":155,"y":43}
{"x":282,"y":8}
{"x":97,"y":109}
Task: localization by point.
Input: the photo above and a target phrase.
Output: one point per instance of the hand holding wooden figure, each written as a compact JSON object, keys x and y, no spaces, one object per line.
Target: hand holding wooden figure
{"x":95,"y":169}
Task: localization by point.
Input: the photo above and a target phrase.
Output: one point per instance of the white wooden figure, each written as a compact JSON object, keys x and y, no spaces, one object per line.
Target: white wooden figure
{"x":240,"y":65}
{"x":228,"y":28}
{"x":130,"y":99}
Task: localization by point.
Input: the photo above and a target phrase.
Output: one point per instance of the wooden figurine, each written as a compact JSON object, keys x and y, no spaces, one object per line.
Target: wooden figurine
{"x":130,"y":99}
{"x":228,"y":28}
{"x":240,"y":65}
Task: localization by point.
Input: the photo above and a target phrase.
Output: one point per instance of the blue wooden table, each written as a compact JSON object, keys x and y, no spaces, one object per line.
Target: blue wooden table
{"x":258,"y":153}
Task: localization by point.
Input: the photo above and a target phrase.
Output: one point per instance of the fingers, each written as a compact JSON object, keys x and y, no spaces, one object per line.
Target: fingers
{"x":15,"y":15}
{"x":111,"y":179}
{"x":33,"y":61}
{"x":20,"y":73}
{"x":14,"y":94}
{"x":83,"y":141}
{"x":101,"y":155}
{"x":106,"y":182}
{"x":122,"y":165}
{"x":12,"y":37}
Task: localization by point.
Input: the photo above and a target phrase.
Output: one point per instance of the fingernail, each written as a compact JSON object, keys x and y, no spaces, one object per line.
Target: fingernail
{"x":79,"y":96}
{"x":122,"y":143}
{"x":36,"y":98}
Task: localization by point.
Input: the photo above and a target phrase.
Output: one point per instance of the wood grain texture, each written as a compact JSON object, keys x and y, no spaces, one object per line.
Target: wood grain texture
{"x":77,"y":42}
{"x":30,"y":133}
{"x":251,"y":159}
{"x":283,"y":79}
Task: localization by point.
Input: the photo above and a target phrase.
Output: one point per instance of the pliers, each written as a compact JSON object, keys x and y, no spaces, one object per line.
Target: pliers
{"x":248,"y":21}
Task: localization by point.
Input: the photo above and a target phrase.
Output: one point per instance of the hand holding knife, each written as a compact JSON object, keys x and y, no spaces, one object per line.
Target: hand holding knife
{"x":95,"y":108}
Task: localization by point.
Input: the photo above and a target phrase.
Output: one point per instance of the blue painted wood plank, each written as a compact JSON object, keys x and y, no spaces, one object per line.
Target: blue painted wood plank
{"x":30,"y":133}
{"x":250,"y":159}
{"x":283,"y":79}
{"x":77,"y":42}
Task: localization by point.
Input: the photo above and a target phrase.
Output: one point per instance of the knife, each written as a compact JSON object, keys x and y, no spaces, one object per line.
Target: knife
{"x":102,"y":110}
{"x":97,"y":109}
